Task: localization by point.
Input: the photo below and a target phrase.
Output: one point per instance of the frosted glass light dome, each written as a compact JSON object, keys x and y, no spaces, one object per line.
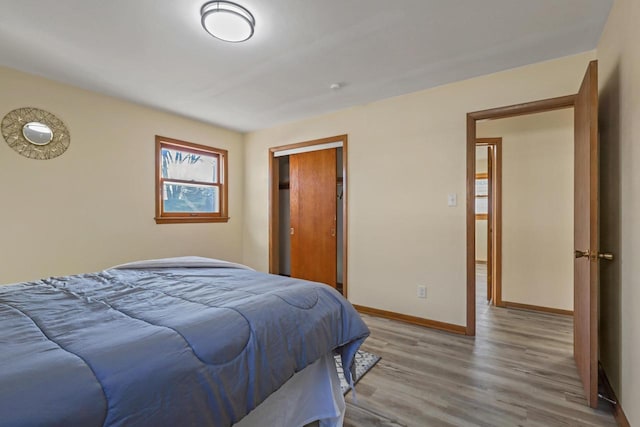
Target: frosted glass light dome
{"x":227,"y":21}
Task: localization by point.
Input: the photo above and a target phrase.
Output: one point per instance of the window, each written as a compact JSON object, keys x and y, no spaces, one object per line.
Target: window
{"x":191,"y":182}
{"x":482,"y":196}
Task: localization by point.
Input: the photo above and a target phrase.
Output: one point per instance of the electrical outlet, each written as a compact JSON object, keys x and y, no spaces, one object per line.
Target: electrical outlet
{"x":422,"y":291}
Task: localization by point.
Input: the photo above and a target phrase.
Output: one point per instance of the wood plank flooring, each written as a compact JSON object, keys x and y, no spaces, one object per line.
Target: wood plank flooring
{"x":518,"y":371}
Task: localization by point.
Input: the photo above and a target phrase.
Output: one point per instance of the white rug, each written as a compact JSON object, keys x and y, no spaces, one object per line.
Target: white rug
{"x":364,"y":361}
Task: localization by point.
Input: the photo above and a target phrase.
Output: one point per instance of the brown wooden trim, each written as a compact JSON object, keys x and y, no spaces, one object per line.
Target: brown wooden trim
{"x":490,"y":215}
{"x":471,"y":226}
{"x":420,"y":321}
{"x":274,"y":211}
{"x":184,"y":215}
{"x":224,"y":187}
{"x":188,"y":146}
{"x":158,"y":194}
{"x":618,"y":413}
{"x":222,"y":183}
{"x":482,"y":216}
{"x":345,"y":216}
{"x":337,"y":138}
{"x":497,"y":223}
{"x":191,"y":181}
{"x":525,"y":108}
{"x":520,"y":306}
{"x":479,"y":261}
{"x":482,"y":175}
{"x":191,"y":219}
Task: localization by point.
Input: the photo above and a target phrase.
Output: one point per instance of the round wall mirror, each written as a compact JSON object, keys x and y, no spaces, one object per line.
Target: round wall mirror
{"x":37,"y":133}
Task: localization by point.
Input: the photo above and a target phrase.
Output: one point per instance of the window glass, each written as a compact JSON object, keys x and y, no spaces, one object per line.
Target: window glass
{"x":189,"y":166}
{"x":190,"y":198}
{"x":190,"y":182}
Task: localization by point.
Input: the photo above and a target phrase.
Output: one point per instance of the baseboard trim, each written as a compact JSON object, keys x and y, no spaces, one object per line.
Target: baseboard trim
{"x":618,"y":413}
{"x":509,"y":304}
{"x":420,"y":321}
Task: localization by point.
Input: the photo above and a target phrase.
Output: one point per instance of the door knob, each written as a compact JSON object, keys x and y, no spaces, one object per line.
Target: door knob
{"x":581,"y":254}
{"x":602,"y":255}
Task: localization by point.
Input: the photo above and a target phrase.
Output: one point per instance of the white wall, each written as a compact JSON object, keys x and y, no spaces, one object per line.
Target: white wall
{"x":93,"y":207}
{"x":537,"y":207}
{"x":481,"y":239}
{"x":619,"y":69}
{"x":405,"y":155}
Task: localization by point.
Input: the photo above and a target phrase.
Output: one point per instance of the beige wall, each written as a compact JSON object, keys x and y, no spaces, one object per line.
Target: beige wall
{"x":482,"y":166}
{"x":619,"y":69}
{"x":481,"y":239}
{"x":93,"y":207}
{"x":537,"y":207}
{"x":405,"y":155}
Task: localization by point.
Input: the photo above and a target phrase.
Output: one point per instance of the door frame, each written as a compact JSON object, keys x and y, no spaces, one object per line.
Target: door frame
{"x":494,"y":218}
{"x":540,"y":106}
{"x":274,"y":203}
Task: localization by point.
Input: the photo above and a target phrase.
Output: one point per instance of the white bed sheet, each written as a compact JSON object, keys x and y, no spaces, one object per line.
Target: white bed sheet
{"x":311,"y":394}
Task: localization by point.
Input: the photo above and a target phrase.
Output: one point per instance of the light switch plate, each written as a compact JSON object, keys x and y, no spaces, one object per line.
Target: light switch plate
{"x":422,"y":292}
{"x":452,"y":200}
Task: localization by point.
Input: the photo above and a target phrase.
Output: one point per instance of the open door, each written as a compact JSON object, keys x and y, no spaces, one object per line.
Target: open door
{"x":490,"y":214}
{"x":494,"y":216}
{"x":586,"y":280}
{"x":313,"y":216}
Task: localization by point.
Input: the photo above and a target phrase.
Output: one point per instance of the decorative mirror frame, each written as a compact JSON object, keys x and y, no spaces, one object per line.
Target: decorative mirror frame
{"x":12,"y":131}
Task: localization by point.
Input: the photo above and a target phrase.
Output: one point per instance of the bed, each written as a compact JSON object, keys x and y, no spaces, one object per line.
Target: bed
{"x":181,"y":341}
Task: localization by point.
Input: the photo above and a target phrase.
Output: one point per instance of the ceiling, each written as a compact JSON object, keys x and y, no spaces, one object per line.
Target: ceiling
{"x":154,"y":52}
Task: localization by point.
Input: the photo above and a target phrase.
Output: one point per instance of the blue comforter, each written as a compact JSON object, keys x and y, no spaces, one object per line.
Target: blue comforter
{"x":161,"y":346}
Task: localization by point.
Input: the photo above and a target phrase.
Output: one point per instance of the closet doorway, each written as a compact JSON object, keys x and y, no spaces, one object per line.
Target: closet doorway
{"x":308,"y":211}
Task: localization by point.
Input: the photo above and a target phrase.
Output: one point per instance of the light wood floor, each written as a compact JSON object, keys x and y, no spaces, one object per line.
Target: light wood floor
{"x":518,"y":371}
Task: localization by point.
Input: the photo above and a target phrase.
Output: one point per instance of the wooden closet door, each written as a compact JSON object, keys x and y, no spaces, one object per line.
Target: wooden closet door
{"x":313,"y":216}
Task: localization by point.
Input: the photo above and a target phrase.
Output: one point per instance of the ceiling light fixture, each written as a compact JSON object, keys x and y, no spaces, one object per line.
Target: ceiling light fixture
{"x":227,"y":21}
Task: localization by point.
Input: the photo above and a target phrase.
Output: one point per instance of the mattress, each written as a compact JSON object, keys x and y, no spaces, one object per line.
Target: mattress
{"x":186,"y":341}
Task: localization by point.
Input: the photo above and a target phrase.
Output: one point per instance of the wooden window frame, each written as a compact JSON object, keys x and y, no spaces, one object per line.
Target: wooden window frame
{"x":222,"y":184}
